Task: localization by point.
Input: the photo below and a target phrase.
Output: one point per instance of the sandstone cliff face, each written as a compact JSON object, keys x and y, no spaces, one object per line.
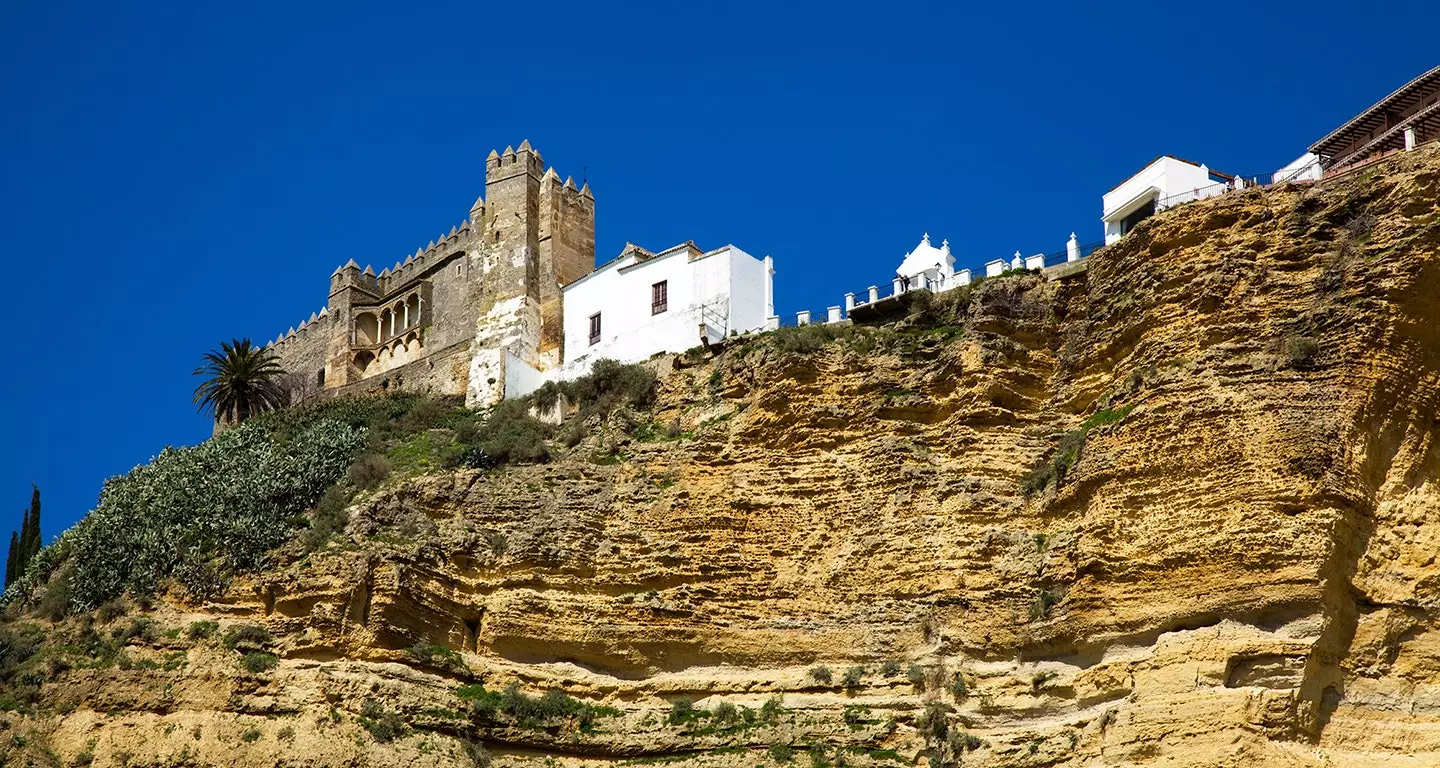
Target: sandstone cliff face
{"x":1227,"y":556}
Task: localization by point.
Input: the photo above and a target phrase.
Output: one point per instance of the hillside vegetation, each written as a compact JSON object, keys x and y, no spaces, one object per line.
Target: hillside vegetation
{"x":1179,"y":509}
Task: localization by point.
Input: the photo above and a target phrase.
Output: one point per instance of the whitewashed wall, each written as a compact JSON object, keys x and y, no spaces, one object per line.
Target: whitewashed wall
{"x":751,"y":301}
{"x":1166,"y":177}
{"x":724,"y":289}
{"x":521,"y":378}
{"x":1303,"y":168}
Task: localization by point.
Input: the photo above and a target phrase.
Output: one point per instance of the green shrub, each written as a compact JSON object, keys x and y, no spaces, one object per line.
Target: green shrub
{"x":817,"y":752}
{"x":478,"y":754}
{"x":1044,"y":602}
{"x":771,"y":709}
{"x":250,"y":736}
{"x":610,"y":385}
{"x":111,"y":610}
{"x":383,"y":725}
{"x":1300,"y":353}
{"x":531,"y":711}
{"x":916,"y":675}
{"x":806,"y":339}
{"x":368,"y":471}
{"x":248,"y":636}
{"x":820,"y":674}
{"x":19,"y":643}
{"x":891,"y":668}
{"x":1057,"y":467}
{"x":512,"y":434}
{"x":140,"y":628}
{"x":958,"y":689}
{"x":852,"y":677}
{"x":1106,"y":417}
{"x":432,"y":655}
{"x":934,"y":722}
{"x":725,"y":713}
{"x":56,"y":597}
{"x":201,"y":630}
{"x":196,"y":513}
{"x":429,"y":413}
{"x":681,"y":711}
{"x":330,"y":516}
{"x":781,"y":753}
{"x":259,"y":662}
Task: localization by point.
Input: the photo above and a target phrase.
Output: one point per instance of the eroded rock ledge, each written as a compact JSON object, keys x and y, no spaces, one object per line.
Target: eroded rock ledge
{"x":1230,"y":560}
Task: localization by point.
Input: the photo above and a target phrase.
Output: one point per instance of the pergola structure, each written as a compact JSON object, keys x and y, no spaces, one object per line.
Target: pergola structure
{"x":1402,"y":120}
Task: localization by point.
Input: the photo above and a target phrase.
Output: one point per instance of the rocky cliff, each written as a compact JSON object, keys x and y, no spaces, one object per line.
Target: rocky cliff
{"x":1182,"y":508}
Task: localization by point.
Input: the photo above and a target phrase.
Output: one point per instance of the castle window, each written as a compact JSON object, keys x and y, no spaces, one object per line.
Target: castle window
{"x":595,"y":328}
{"x":320,"y":378}
{"x":659,"y":297}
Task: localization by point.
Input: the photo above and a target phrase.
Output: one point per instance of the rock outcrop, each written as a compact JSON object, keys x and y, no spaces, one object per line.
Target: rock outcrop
{"x":1182,"y":509}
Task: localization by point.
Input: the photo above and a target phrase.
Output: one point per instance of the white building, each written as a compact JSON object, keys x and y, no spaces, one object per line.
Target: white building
{"x":1303,"y":168}
{"x":926,"y":263}
{"x":1166,"y":182}
{"x":643,"y":303}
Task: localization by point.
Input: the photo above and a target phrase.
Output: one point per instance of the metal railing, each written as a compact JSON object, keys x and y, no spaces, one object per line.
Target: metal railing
{"x":1239,"y":183}
{"x":894,"y":286}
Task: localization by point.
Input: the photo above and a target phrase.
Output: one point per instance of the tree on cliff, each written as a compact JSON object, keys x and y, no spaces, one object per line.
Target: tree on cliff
{"x":241,"y":380}
{"x":25,"y":543}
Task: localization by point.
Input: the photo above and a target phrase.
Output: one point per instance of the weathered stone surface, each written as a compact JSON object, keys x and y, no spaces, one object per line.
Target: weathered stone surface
{"x":1238,"y":570}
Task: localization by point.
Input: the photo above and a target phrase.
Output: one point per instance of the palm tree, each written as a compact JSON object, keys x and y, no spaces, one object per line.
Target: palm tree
{"x":241,"y":380}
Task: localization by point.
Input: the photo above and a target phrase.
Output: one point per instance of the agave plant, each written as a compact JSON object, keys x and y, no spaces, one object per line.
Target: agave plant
{"x":241,"y":380}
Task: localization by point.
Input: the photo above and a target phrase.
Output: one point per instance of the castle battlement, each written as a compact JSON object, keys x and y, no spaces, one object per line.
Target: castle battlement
{"x":320,"y":319}
{"x":397,"y":276}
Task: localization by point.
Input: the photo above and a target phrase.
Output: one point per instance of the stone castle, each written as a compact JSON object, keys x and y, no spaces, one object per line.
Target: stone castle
{"x":473,"y":312}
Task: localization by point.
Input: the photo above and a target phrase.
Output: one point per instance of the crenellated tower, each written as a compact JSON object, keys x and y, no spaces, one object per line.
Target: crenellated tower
{"x":538,"y":234}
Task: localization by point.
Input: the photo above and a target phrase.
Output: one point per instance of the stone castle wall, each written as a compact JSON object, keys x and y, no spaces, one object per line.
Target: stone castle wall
{"x":490,"y":285}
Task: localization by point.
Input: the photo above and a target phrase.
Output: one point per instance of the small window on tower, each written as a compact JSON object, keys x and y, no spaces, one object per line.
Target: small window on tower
{"x":595,"y":328}
{"x":320,"y":378}
{"x":659,"y":297}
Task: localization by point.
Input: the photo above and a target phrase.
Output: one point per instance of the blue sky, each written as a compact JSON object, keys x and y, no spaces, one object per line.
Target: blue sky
{"x":176,"y":174}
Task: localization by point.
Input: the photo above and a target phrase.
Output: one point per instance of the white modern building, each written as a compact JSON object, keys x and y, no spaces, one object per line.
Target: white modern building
{"x":644,"y":303}
{"x":1166,"y":182}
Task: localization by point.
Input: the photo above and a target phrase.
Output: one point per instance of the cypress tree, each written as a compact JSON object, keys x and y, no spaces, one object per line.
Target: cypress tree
{"x":33,"y":547}
{"x":10,"y":574}
{"x":24,"y":553}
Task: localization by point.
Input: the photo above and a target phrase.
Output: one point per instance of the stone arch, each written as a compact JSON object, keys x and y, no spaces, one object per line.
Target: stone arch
{"x":367,"y":329}
{"x":413,"y":343}
{"x":412,"y":304}
{"x":387,"y":323}
{"x":362,"y":362}
{"x":402,"y":319}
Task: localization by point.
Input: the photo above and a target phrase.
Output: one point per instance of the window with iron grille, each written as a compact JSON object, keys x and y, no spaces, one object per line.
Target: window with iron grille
{"x":659,"y":297}
{"x":595,"y":328}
